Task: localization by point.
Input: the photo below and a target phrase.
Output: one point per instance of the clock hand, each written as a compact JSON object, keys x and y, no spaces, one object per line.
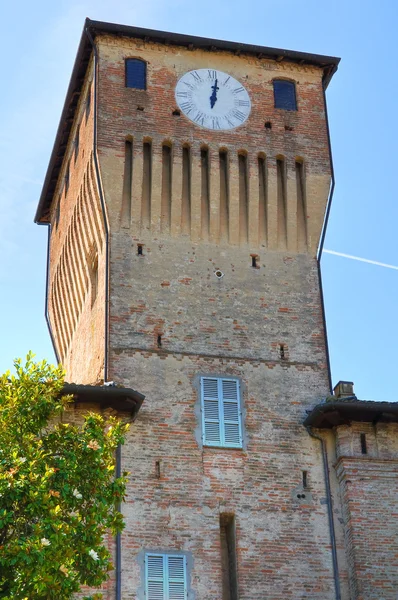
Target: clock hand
{"x":213,"y":97}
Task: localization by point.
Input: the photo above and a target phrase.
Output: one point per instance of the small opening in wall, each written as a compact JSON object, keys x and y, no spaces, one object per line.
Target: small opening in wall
{"x":176,"y":113}
{"x":140,"y":250}
{"x":157,"y":469}
{"x":282,"y":351}
{"x":254,"y":261}
{"x":288,"y":128}
{"x":268,"y":125}
{"x":219,"y":274}
{"x":159,"y":341}
{"x":305,"y":479}
{"x":140,"y":108}
{"x":301,"y":496}
{"x":364,"y":449}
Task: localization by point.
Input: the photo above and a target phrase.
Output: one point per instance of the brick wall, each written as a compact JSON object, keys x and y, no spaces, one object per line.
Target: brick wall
{"x":368,"y":488}
{"x":77,"y":254}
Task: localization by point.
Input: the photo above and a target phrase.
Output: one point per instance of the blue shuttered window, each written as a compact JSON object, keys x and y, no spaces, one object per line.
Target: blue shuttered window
{"x":221,"y":412}
{"x":285,"y":95}
{"x":165,"y":577}
{"x":136,"y":73}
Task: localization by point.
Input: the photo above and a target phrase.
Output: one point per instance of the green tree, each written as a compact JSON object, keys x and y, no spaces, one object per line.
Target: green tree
{"x":58,"y":491}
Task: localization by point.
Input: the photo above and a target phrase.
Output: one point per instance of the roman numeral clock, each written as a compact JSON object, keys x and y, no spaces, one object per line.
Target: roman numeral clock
{"x":213,"y":99}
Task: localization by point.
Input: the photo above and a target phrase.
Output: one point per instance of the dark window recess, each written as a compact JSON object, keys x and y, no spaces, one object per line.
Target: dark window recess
{"x":364,"y":448}
{"x":285,"y":95}
{"x":140,"y":250}
{"x":136,"y":74}
{"x":228,"y":557}
{"x":268,"y":125}
{"x":254,"y":261}
{"x":176,"y":113}
{"x":305,"y":479}
{"x":157,"y":469}
{"x":282,"y":351}
{"x":159,"y":341}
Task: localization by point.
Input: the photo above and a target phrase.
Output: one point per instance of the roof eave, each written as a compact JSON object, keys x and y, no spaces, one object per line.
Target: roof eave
{"x":333,"y":414}
{"x":120,"y":399}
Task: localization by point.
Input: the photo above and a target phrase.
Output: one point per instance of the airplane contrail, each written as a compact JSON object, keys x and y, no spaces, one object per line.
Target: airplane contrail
{"x":365,"y":260}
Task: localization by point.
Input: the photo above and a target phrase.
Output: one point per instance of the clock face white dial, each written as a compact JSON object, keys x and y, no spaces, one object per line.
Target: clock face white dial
{"x":212,"y":99}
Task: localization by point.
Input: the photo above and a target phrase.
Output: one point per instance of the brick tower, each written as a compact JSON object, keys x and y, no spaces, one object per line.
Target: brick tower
{"x":186,"y":196}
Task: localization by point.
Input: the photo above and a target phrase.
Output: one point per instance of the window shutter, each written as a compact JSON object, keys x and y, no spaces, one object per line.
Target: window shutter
{"x":211,"y":411}
{"x":177,"y":589}
{"x":231,"y":413}
{"x":136,"y":74}
{"x":155,"y":580}
{"x":285,"y":94}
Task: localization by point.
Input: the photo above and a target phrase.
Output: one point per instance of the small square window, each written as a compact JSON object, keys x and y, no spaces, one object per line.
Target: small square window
{"x":136,"y":73}
{"x":221,"y":412}
{"x":165,"y":577}
{"x":285,"y":94}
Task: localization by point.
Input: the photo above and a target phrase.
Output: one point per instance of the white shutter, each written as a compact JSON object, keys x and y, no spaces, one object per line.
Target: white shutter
{"x":231,"y":431}
{"x":211,"y":411}
{"x":155,"y":577}
{"x":177,"y":589}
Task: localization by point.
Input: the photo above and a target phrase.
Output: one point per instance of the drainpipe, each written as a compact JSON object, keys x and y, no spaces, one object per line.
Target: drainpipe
{"x":330,"y":513}
{"x":118,"y":541}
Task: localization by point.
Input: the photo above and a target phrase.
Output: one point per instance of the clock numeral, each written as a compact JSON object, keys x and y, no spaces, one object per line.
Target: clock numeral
{"x":216,"y":123}
{"x":243,"y":103}
{"x":182,"y":94}
{"x":237,"y":114}
{"x":238,"y":90}
{"x":191,"y":87}
{"x":187,"y":107}
{"x":212,"y":74}
{"x":230,"y":123}
{"x":200,"y":118}
{"x":196,"y":76}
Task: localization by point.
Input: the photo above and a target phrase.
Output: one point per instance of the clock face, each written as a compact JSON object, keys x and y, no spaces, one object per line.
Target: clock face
{"x":212,"y":99}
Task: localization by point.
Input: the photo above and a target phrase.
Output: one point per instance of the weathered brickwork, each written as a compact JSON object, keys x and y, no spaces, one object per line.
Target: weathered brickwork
{"x":76,"y":288}
{"x":369,"y":491}
{"x":212,"y":268}
{"x":233,"y":326}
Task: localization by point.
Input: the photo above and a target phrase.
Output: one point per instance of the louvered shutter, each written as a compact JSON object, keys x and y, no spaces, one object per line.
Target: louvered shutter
{"x":285,"y":94}
{"x":136,"y":74}
{"x":231,"y":413}
{"x":155,"y":577}
{"x":211,"y":412}
{"x":177,"y":589}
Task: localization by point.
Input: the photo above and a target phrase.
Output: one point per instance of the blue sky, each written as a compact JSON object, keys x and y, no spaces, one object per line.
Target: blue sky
{"x":38,"y":46}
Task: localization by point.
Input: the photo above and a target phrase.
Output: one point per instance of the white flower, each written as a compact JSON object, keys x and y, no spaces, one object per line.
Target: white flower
{"x":22,"y":459}
{"x":94,"y":555}
{"x":45,"y":542}
{"x":77,"y":494}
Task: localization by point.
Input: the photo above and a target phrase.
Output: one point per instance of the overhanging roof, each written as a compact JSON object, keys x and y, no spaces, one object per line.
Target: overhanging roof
{"x":327,"y":63}
{"x":340,"y":412}
{"x":119,"y":398}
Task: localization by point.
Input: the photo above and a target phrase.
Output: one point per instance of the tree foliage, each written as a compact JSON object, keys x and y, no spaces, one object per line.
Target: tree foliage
{"x":58,"y":491}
